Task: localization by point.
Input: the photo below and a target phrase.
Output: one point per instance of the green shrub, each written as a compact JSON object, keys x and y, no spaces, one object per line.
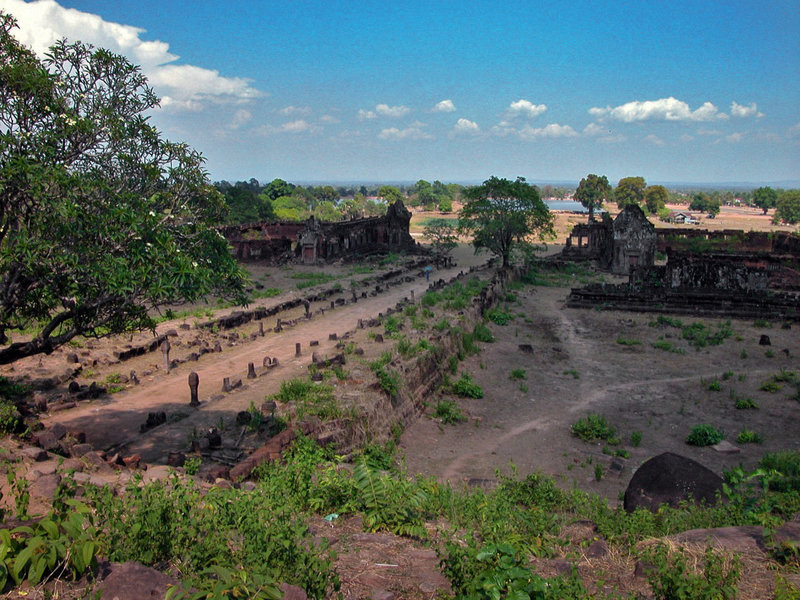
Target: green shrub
{"x":9,"y":416}
{"x":627,"y":342}
{"x":787,"y":463}
{"x":748,"y":437}
{"x":466,"y":388}
{"x":449,"y":412}
{"x":517,"y":374}
{"x":499,"y":317}
{"x":636,"y":439}
{"x":745,"y":403}
{"x":389,"y":381}
{"x":704,"y":435}
{"x":671,"y":577}
{"x":715,"y":385}
{"x":668,"y":347}
{"x":593,"y":427}
{"x":483,"y":333}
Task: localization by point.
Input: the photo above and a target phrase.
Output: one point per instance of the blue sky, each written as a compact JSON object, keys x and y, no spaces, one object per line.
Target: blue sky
{"x":694,"y":91}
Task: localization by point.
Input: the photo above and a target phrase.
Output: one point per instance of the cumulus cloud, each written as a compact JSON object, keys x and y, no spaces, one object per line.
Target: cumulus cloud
{"x":602,"y":133}
{"x":741,"y":110}
{"x":392,"y":111}
{"x":295,"y":110}
{"x":734,"y":138}
{"x":654,"y":139}
{"x":444,"y":106}
{"x":665,"y":109}
{"x":241,"y":117}
{"x":466,"y":126}
{"x":366,"y":115}
{"x":329,"y":119}
{"x":181,"y":87}
{"x":414,"y":132}
{"x":525,"y":108}
{"x":298,"y":126}
{"x":594,"y":129}
{"x":553,"y":130}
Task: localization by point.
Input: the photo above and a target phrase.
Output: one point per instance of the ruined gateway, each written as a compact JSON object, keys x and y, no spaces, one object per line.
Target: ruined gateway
{"x":312,"y":241}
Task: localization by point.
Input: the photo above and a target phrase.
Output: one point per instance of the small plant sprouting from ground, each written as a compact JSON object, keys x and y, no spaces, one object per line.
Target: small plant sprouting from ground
{"x":517,"y":375}
{"x":628,"y":342}
{"x":466,"y":388}
{"x":667,"y":347}
{"x":672,"y":577}
{"x":636,"y":439}
{"x":770,"y":386}
{"x":769,"y":354}
{"x":594,"y":427}
{"x":498,"y":316}
{"x":715,"y":385}
{"x":743,"y":403}
{"x":704,"y":435}
{"x":598,"y":472}
{"x":727,"y":375}
{"x":573,"y":372}
{"x":192,"y":465}
{"x":746,"y":436}
{"x":483,"y":334}
{"x":449,"y":412}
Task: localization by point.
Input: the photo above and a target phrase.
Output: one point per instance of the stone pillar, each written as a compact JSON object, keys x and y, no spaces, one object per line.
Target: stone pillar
{"x":226,"y":384}
{"x":165,"y":352}
{"x":251,"y":371}
{"x":297,"y":349}
{"x":261,"y":329}
{"x":194,"y":382}
{"x":278,"y":327}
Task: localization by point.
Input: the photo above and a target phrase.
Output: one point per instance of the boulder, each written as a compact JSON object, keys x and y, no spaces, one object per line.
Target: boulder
{"x":132,"y":581}
{"x":669,"y":479}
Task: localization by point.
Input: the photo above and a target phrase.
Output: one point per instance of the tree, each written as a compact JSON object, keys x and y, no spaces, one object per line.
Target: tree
{"x":277,"y":188}
{"x":592,"y":192}
{"x":501,"y":213}
{"x":389,"y":194}
{"x":700,"y":201}
{"x":101,"y":220}
{"x":291,"y":208}
{"x":787,"y":209}
{"x":655,"y":198}
{"x":630,"y":190}
{"x":441,"y":233}
{"x":765,"y":198}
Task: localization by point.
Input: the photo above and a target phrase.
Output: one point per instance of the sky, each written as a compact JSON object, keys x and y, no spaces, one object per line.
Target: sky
{"x":693,"y":91}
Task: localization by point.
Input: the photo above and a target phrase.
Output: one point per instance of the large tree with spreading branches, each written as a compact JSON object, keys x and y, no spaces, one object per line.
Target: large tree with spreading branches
{"x":101,"y":219}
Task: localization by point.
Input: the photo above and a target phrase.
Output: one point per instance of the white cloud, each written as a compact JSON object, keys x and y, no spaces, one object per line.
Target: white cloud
{"x":553,"y":130}
{"x":734,"y":138}
{"x":181,"y":87}
{"x":331,"y":120}
{"x":741,"y":110}
{"x":665,"y":109}
{"x":415,"y":132}
{"x":392,"y":111}
{"x":445,"y":106}
{"x":241,"y":117}
{"x":295,"y":110}
{"x":708,"y":132}
{"x":298,"y":126}
{"x":466,"y":126}
{"x":595,"y":129}
{"x":686,"y":137}
{"x":525,"y":108}
{"x":602,"y":133}
{"x":654,"y":139}
{"x":366,"y":115}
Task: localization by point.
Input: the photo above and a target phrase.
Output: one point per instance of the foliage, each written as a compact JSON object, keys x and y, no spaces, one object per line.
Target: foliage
{"x":102,"y":219}
{"x":441,"y":233}
{"x":389,"y":381}
{"x":309,"y":398}
{"x":501,"y":213}
{"x":192,"y":465}
{"x":627,"y":342}
{"x":704,"y":435}
{"x":636,"y":439}
{"x":466,"y":388}
{"x":221,"y":583}
{"x":787,"y":463}
{"x":389,"y":503}
{"x":57,"y":543}
{"x":745,"y":403}
{"x":499,"y":571}
{"x":765,"y":198}
{"x":671,"y":577}
{"x":746,"y":436}
{"x":449,"y":412}
{"x":655,"y":197}
{"x":482,"y":333}
{"x":630,"y":190}
{"x":593,"y":427}
{"x":592,"y":191}
{"x":787,"y":209}
{"x":499,"y":316}
{"x":517,"y":374}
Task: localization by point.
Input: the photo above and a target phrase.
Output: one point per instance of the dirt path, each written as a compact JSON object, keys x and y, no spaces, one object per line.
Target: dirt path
{"x":578,"y":367}
{"x":113,"y":422}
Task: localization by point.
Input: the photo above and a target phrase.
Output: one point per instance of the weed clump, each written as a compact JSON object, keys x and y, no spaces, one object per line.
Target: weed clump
{"x":704,"y":435}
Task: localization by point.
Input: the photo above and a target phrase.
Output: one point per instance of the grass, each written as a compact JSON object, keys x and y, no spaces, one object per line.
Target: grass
{"x":593,"y":427}
{"x":311,"y":279}
{"x":667,"y":347}
{"x":466,"y":388}
{"x":449,"y":412}
{"x":627,"y":342}
{"x":517,"y":374}
{"x":747,"y":436}
{"x":704,"y":435}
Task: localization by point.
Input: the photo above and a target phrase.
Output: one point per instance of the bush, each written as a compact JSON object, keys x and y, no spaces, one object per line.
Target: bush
{"x":466,"y":388}
{"x":704,"y":435}
{"x":672,"y":578}
{"x":636,"y":439}
{"x":483,"y":333}
{"x":9,"y":417}
{"x":517,"y":374}
{"x":499,"y":317}
{"x":593,"y":427}
{"x":449,"y":412}
{"x":748,"y":437}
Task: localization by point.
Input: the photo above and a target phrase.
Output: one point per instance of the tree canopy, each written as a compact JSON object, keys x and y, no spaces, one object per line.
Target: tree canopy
{"x":501,"y":213}
{"x":101,"y":219}
{"x":441,"y":233}
{"x":630,"y":190}
{"x":765,"y":198}
{"x":655,"y":198}
{"x":592,"y":191}
{"x":703,"y":202}
{"x":787,"y":209}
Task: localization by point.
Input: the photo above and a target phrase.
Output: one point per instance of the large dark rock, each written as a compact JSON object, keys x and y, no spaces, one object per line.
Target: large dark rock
{"x":668,"y":479}
{"x":132,"y":581}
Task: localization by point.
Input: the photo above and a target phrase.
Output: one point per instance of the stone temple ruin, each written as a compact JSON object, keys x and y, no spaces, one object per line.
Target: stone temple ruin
{"x":724,"y":273}
{"x":315,"y":241}
{"x":629,"y":240}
